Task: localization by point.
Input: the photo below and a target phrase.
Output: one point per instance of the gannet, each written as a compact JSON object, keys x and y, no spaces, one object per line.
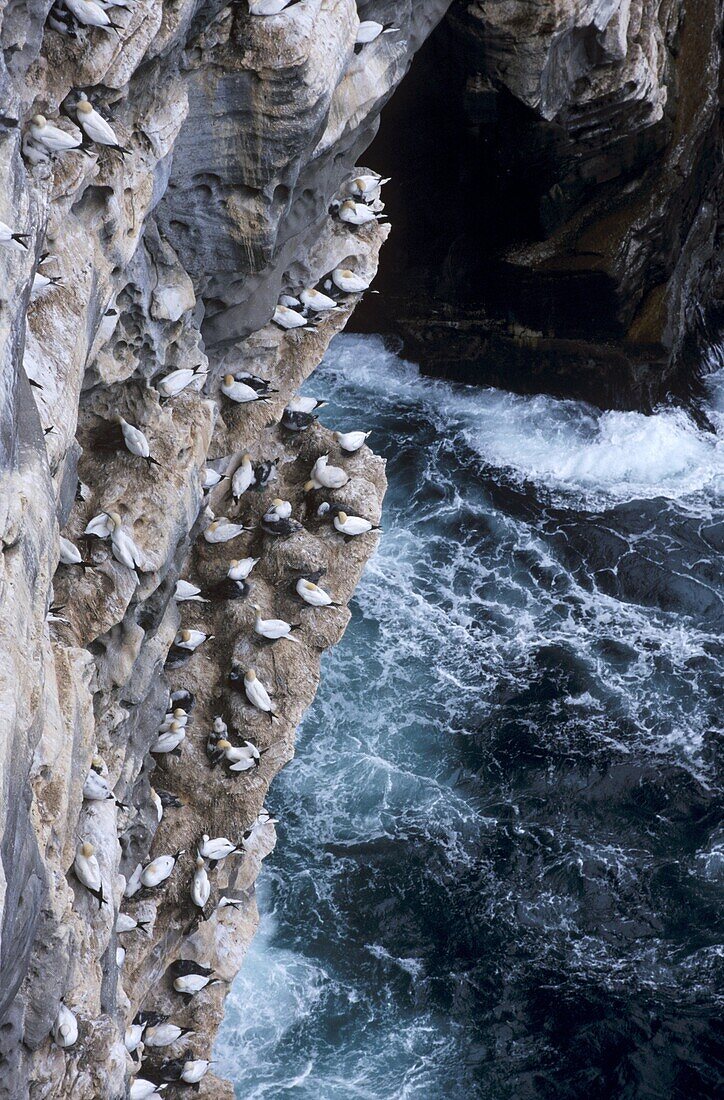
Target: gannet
{"x":316,"y":301}
{"x":164,"y":1034}
{"x":261,"y":385}
{"x":200,"y":885}
{"x":120,"y":956}
{"x":101,"y":526}
{"x":257,"y":694}
{"x":97,"y":789}
{"x":349,"y":281}
{"x":274,"y":524}
{"x":272,"y":629}
{"x":313,"y":595}
{"x":133,"y":1036}
{"x":126,"y":923}
{"x":370,"y":29}
{"x":133,"y":884}
{"x":91,"y":14}
{"x":239,"y":569}
{"x":191,"y":639}
{"x":136,"y":442}
{"x":185,"y":591}
{"x":350,"y":441}
{"x":169,"y":740}
{"x":191,"y":984}
{"x":295,"y":421}
{"x":281,"y":508}
{"x":302,"y":404}
{"x":211,"y":478}
{"x":240,"y":392}
{"x":143,"y":1089}
{"x":171,"y":385}
{"x":7,"y":237}
{"x":269,"y":7}
{"x":223,"y":530}
{"x":51,"y":138}
{"x":88,"y":872}
{"x":325,"y":476}
{"x":70,"y":554}
{"x":42,"y":282}
{"x":65,"y":1027}
{"x":155,"y":798}
{"x":96,"y":128}
{"x":124,"y":548}
{"x":365,"y":185}
{"x":240,"y":758}
{"x":355,"y":213}
{"x":352,"y":525}
{"x":288,"y":318}
{"x":159,"y":869}
{"x":243,"y":477}
{"x":216,"y":848}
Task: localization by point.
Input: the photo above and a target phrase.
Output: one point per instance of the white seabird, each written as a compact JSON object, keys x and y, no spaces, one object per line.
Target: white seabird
{"x":350,"y":441}
{"x":96,"y":128}
{"x":194,"y":1069}
{"x":216,"y":848}
{"x":134,"y":883}
{"x":162,"y":1035}
{"x":240,"y":392}
{"x":126,"y":923}
{"x":325,"y":476}
{"x":136,"y":442}
{"x":316,"y":301}
{"x":370,"y":29}
{"x":159,"y":869}
{"x":269,"y":7}
{"x":211,"y":478}
{"x":365,"y":185}
{"x":352,"y":525}
{"x":190,"y":984}
{"x":65,"y":1027}
{"x":171,"y":385}
{"x":185,"y":591}
{"x":51,"y":138}
{"x":69,"y":552}
{"x":143,"y":1089}
{"x":191,"y":639}
{"x":302,"y":404}
{"x":123,"y":545}
{"x":223,"y":530}
{"x":239,"y":569}
{"x":243,"y":477}
{"x":200,"y":885}
{"x":42,"y":282}
{"x":281,"y":508}
{"x":133,"y":1036}
{"x":355,"y":213}
{"x":169,"y":740}
{"x":349,"y":281}
{"x":313,"y":595}
{"x":272,"y":629}
{"x":101,"y":526}
{"x":257,"y":694}
{"x":288,"y":318}
{"x":90,"y":14}
{"x":88,"y":872}
{"x":7,"y":237}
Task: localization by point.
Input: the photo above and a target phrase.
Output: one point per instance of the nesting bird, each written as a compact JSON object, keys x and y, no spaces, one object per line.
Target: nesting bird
{"x":164,"y":1034}
{"x":88,"y":872}
{"x":258,"y":695}
{"x":126,"y":923}
{"x":369,"y":30}
{"x":223,"y":530}
{"x":243,"y":477}
{"x":185,"y":592}
{"x":65,"y":1027}
{"x":317,"y":302}
{"x":51,"y":139}
{"x":312,"y":594}
{"x":91,"y":14}
{"x":159,"y":869}
{"x":324,"y":476}
{"x":136,"y":442}
{"x":171,"y":385}
{"x":8,"y":237}
{"x":362,"y":187}
{"x":288,"y":318}
{"x":216,"y":848}
{"x":96,"y":128}
{"x":200,"y":885}
{"x":281,"y":526}
{"x":191,"y":639}
{"x":211,"y":478}
{"x":123,"y":545}
{"x":241,"y":392}
{"x":272,"y":630}
{"x":70,"y":554}
{"x":352,"y":525}
{"x":269,"y":7}
{"x":169,"y":740}
{"x":355,"y":213}
{"x":350,"y":441}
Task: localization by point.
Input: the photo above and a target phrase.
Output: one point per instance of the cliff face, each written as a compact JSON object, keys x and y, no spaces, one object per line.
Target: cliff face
{"x":239,"y":133}
{"x":568,"y":237}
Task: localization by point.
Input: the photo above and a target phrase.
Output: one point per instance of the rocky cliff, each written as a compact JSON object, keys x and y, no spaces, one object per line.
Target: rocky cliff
{"x":557,"y":213}
{"x":238,"y":133}
{"x":168,"y":254}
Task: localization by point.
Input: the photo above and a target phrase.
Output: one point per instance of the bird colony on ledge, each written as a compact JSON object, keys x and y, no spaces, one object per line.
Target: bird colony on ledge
{"x":231,"y":482}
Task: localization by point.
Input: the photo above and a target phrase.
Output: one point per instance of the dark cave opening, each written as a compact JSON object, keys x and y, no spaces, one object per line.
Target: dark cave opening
{"x":504,"y":264}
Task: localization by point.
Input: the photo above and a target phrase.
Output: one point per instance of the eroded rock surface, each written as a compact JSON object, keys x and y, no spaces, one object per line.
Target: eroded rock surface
{"x":239,"y":132}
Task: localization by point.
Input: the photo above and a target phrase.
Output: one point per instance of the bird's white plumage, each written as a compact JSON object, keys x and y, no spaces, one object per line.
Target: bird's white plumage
{"x":185,"y":591}
{"x":316,"y":301}
{"x":240,"y":569}
{"x":271,"y":629}
{"x":351,"y":525}
{"x":356,"y":213}
{"x":51,"y":138}
{"x":288,"y":318}
{"x":312,"y":594}
{"x":351,"y":441}
{"x":256,"y":693}
{"x":101,"y":526}
{"x":218,"y":847}
{"x":191,"y":983}
{"x":238,"y":391}
{"x":222,"y":530}
{"x":190,"y":639}
{"x":200,"y":885}
{"x":163,"y":1034}
{"x":349,"y":281}
{"x":243,"y":477}
{"x":87,"y":869}
{"x":65,"y":1027}
{"x":69,"y":552}
{"x":135,"y":440}
{"x":158,"y":870}
{"x":96,"y":788}
{"x":95,"y":126}
{"x":325,"y":476}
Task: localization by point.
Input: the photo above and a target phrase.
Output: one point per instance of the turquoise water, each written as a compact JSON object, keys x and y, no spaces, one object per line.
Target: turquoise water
{"x":500,"y":858}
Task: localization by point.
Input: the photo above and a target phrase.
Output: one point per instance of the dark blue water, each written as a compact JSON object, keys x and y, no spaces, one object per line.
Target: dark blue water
{"x":500,"y":866}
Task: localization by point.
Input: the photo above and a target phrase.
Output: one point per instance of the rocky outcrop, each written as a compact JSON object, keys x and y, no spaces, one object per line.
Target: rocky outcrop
{"x":238,"y":132}
{"x":567,"y":238}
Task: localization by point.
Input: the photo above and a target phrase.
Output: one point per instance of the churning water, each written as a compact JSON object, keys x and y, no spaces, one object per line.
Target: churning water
{"x":501,"y":851}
